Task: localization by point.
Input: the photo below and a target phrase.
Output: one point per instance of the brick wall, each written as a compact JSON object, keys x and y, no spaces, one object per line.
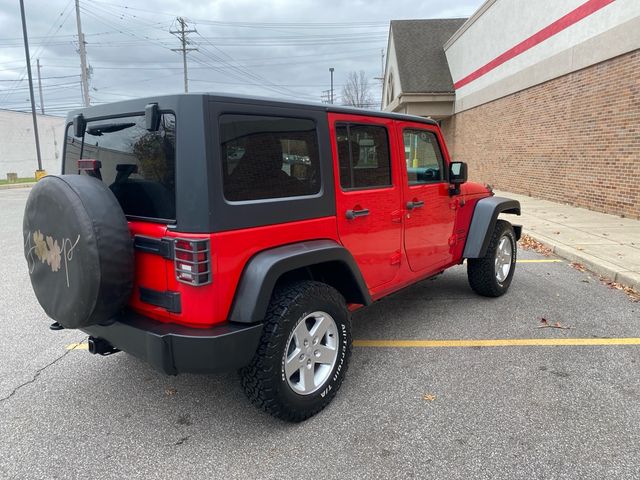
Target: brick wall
{"x":573,"y":139}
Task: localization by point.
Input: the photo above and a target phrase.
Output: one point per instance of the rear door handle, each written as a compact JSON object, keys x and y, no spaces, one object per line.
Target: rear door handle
{"x":351,"y":214}
{"x":415,"y":204}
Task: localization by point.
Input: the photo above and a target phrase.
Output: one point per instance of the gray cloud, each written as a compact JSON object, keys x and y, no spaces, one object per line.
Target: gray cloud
{"x":281,"y":48}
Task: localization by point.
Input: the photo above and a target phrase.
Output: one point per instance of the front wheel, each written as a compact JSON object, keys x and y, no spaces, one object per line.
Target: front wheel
{"x":303,"y":353}
{"x":491,"y":275}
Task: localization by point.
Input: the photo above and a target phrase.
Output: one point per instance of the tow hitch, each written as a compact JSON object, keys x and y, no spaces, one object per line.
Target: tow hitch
{"x":100,"y":346}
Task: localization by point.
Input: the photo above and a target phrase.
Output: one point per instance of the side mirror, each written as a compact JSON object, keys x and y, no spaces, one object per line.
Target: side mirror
{"x":79,"y":126}
{"x":152,"y":117}
{"x":457,"y":173}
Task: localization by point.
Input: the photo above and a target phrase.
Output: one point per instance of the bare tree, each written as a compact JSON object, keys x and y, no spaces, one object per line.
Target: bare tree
{"x":357,"y":92}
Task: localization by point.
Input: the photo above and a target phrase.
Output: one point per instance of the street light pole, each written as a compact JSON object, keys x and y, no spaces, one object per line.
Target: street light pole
{"x":33,"y":103}
{"x":331,"y":98}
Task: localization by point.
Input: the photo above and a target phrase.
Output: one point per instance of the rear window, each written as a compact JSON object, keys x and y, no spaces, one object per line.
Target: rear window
{"x":268,"y":157}
{"x":137,"y":165}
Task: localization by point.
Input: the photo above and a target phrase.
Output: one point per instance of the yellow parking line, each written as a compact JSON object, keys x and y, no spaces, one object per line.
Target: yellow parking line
{"x":543,"y":260}
{"x":503,"y":342}
{"x":77,"y":346}
{"x":534,"y":260}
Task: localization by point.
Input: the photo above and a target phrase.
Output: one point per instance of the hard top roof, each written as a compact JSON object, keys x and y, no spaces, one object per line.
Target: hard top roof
{"x":136,"y":104}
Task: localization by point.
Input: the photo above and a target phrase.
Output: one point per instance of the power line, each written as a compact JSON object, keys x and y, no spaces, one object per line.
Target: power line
{"x":247,"y":74}
{"x":49,"y":36}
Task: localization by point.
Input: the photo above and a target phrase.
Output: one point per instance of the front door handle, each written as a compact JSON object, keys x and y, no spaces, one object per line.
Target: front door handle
{"x":351,"y":214}
{"x":415,"y":204}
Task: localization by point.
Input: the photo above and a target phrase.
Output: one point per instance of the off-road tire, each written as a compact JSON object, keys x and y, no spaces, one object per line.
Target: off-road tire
{"x":264,"y":380}
{"x":482,"y":272}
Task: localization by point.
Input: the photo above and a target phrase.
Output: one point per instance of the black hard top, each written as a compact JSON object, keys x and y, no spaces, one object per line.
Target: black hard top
{"x":137,"y":105}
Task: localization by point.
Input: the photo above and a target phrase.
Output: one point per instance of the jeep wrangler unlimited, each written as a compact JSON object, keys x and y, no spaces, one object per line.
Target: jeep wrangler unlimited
{"x":203,"y":233}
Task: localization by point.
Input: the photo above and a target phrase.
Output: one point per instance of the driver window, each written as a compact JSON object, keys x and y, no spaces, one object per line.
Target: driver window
{"x":423,"y":157}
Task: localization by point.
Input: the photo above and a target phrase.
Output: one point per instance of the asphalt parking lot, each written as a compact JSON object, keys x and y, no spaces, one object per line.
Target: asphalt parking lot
{"x":448,"y":405}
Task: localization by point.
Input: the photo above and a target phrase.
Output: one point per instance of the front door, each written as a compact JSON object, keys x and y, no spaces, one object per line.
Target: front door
{"x":430,"y":211}
{"x":368,"y":195}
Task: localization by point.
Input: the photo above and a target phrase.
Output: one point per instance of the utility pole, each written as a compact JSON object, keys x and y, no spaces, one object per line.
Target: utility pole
{"x":381,"y":78}
{"x":40,"y":87}
{"x":182,"y":33}
{"x":83,"y":58}
{"x":33,"y":103}
{"x":331,"y":97}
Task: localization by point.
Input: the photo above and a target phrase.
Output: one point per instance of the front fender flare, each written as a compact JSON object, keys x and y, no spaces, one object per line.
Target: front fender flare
{"x":483,"y":223}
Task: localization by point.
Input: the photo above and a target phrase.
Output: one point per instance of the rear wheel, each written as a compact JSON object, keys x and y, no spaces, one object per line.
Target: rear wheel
{"x":491,"y":275}
{"x":303,"y":353}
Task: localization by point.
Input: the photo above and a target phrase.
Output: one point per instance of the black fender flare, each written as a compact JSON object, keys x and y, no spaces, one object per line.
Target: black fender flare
{"x":483,"y":222}
{"x":263,"y":270}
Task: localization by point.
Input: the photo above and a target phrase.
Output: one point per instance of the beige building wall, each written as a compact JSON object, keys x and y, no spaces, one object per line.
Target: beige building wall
{"x":583,"y":33}
{"x":17,"y":144}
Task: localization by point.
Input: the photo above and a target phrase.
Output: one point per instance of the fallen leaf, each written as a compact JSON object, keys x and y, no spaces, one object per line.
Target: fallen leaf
{"x":632,"y":293}
{"x":528,"y":243}
{"x":544,"y":323}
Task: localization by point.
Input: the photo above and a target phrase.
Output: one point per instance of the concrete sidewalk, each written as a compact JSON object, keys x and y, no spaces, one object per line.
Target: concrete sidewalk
{"x":605,"y":244}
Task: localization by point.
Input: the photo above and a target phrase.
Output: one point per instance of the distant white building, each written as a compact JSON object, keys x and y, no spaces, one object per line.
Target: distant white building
{"x":18,"y":148}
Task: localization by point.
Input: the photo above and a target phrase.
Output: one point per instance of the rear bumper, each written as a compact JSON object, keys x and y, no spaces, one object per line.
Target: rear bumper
{"x":173,"y":349}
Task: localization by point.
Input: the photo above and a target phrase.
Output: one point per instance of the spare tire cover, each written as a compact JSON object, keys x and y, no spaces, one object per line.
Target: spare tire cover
{"x":78,"y":249}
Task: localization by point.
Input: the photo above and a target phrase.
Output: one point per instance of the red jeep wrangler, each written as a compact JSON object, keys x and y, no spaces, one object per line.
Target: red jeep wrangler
{"x":204,"y":233}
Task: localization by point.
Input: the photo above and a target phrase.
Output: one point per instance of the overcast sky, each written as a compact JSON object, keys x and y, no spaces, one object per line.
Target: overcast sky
{"x":280,"y":48}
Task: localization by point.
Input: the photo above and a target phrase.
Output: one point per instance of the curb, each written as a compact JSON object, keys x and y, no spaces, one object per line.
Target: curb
{"x":594,"y":264}
{"x":11,"y":186}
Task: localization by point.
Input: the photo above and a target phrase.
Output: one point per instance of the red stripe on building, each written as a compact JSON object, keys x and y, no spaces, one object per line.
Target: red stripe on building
{"x":562,"y":23}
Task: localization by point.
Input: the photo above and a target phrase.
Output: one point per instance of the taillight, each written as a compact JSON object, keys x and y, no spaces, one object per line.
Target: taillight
{"x":89,"y":164}
{"x":192,"y":261}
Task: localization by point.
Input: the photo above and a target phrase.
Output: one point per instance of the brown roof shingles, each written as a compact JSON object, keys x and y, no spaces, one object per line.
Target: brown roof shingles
{"x":422,"y":64}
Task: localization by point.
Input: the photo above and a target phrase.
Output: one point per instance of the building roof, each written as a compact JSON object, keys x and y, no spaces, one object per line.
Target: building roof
{"x":422,"y":64}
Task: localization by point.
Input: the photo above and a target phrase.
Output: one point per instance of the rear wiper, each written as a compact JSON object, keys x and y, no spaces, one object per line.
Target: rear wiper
{"x":108,"y":128}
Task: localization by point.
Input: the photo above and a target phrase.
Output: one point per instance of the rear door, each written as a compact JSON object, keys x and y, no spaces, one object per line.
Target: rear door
{"x":368,"y":195}
{"x":138,"y":166}
{"x":430,"y":211}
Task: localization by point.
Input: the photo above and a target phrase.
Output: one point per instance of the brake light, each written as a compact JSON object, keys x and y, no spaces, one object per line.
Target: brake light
{"x":192,"y":261}
{"x":89,"y":164}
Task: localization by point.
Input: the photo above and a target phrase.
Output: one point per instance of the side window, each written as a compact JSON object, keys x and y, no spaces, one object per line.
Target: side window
{"x":363,"y":156}
{"x":423,"y":157}
{"x":268,"y":157}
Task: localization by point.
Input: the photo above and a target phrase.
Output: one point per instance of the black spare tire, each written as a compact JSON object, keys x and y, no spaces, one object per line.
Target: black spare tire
{"x":78,"y":249}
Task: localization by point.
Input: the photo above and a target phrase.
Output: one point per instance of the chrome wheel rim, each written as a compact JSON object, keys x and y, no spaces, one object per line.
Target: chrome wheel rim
{"x":504,"y":256}
{"x":311,"y":353}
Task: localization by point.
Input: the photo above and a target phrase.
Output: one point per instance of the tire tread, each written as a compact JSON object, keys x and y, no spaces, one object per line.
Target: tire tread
{"x":259,"y":380}
{"x":480,"y":271}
